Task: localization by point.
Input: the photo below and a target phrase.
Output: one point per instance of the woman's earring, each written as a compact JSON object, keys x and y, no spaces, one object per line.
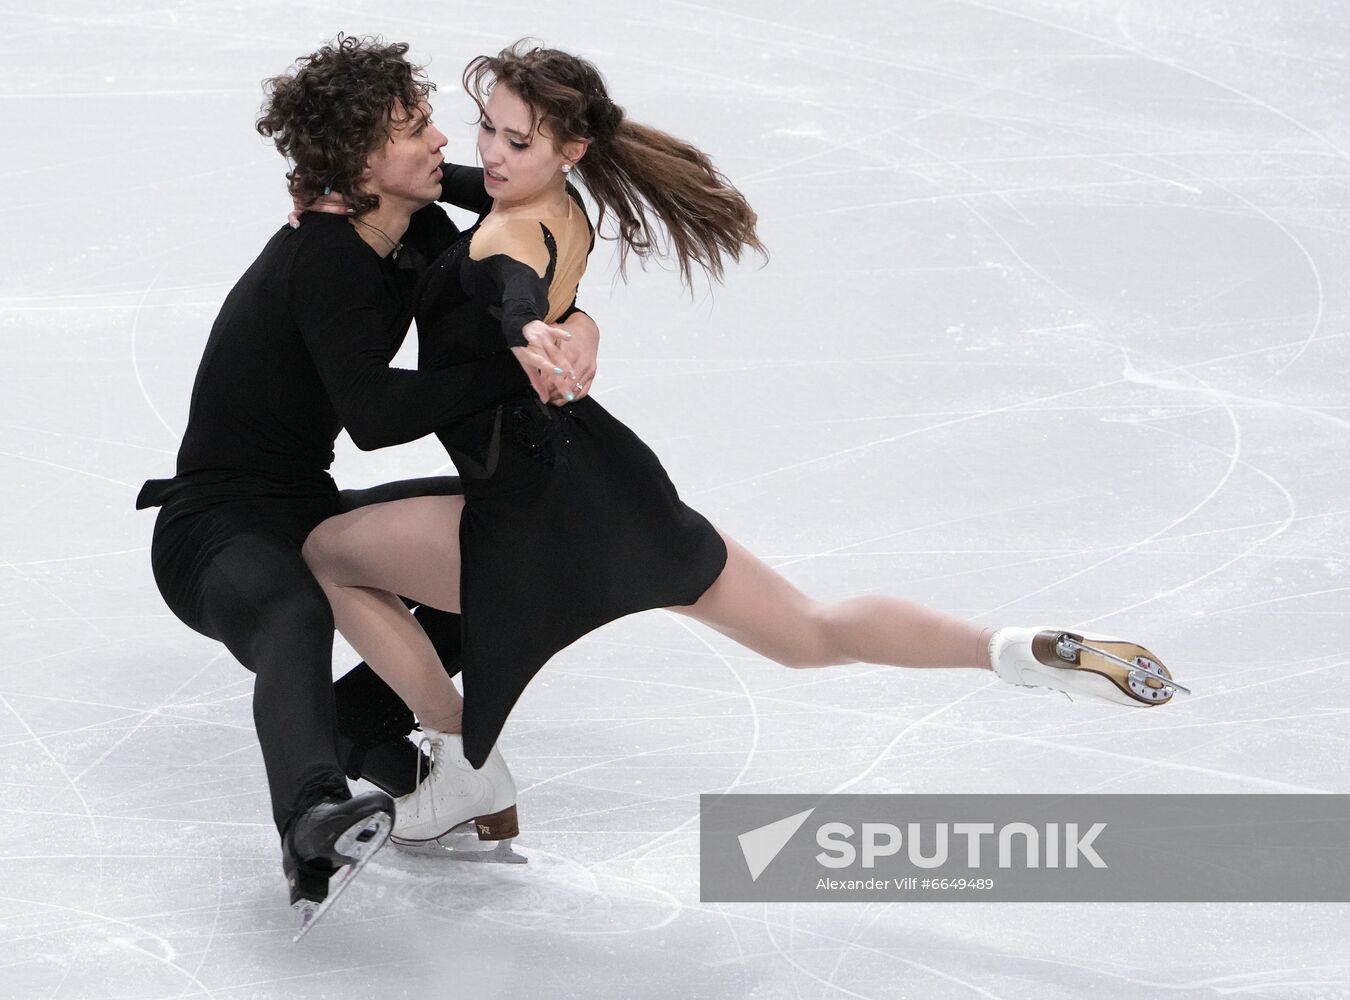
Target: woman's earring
{"x":567,"y":168}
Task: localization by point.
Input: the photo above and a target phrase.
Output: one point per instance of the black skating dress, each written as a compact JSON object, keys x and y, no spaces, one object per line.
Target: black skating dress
{"x":570,"y":521}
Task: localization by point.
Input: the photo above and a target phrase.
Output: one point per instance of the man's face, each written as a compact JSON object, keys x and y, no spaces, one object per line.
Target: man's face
{"x":407,"y":168}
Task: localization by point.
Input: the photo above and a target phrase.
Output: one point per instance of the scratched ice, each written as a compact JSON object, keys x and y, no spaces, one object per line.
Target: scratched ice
{"x":1054,"y":329}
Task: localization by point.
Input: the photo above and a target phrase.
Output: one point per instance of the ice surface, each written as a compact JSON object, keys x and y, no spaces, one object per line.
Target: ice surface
{"x":1054,"y":329}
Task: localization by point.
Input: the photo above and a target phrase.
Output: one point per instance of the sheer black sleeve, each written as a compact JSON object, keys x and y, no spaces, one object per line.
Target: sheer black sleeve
{"x":462,"y":187}
{"x":508,"y":278}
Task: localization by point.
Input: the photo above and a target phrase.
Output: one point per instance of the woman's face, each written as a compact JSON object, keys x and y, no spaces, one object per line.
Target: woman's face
{"x":520,"y":162}
{"x":407,"y":168}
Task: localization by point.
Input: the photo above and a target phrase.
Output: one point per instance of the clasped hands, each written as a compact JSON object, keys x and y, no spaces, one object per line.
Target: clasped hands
{"x":560,"y":360}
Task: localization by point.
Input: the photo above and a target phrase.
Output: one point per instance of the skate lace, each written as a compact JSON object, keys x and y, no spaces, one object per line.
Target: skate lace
{"x":432,"y":745}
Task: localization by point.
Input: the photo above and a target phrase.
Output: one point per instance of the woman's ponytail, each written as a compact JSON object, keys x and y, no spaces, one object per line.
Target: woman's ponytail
{"x":667,"y":198}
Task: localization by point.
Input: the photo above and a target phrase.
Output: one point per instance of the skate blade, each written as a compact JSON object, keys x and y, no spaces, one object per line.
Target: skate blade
{"x":359,"y":842}
{"x":1137,"y":677}
{"x":462,"y":844}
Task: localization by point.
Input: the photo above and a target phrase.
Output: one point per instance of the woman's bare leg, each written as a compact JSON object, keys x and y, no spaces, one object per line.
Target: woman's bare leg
{"x":362,"y":560}
{"x":761,"y":610}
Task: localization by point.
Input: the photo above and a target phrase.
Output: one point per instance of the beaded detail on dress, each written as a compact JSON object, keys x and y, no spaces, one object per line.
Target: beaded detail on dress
{"x":543,"y":432}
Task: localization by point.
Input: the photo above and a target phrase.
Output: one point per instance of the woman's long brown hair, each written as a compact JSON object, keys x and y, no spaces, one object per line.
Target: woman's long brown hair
{"x":641,"y":174}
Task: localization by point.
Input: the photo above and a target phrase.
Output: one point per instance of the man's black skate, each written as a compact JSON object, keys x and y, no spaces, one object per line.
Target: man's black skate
{"x":335,"y":837}
{"x":392,"y":765}
{"x":373,"y":725}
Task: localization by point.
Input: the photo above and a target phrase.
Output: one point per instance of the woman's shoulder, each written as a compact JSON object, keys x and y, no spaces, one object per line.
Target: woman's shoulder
{"x":521,"y":238}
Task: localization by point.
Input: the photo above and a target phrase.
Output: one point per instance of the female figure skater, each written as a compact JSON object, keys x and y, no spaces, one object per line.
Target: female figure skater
{"x":573,"y":488}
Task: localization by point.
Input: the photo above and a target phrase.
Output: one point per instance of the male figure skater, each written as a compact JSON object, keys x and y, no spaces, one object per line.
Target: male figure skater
{"x":300,"y":349}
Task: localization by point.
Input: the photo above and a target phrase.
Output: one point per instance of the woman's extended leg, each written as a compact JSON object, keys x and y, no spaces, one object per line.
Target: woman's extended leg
{"x":362,"y":560}
{"x":761,"y":610}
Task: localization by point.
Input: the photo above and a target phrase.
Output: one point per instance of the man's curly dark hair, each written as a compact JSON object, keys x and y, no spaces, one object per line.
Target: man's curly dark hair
{"x":334,"y":109}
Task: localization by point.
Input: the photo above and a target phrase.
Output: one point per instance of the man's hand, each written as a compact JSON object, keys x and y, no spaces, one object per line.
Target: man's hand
{"x":581,"y":351}
{"x":333,"y":204}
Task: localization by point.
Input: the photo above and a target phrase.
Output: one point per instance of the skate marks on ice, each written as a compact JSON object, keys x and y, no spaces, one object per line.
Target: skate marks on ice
{"x":1105,"y":247}
{"x":555,"y":893}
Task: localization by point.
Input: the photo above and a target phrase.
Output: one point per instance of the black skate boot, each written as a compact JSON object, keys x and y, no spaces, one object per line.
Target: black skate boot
{"x":335,"y":836}
{"x":372,"y":734}
{"x":373,"y":722}
{"x":392,"y":765}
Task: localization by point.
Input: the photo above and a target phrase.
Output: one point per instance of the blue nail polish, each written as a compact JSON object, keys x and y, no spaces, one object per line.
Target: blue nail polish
{"x":557,"y":371}
{"x":570,"y":397}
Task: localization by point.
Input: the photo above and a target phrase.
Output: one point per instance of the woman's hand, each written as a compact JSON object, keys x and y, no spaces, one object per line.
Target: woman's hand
{"x":545,"y":362}
{"x":332,"y":203}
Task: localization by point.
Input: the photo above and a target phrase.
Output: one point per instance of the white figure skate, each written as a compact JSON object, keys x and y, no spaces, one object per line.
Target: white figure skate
{"x":1113,"y":670}
{"x":458,"y":812}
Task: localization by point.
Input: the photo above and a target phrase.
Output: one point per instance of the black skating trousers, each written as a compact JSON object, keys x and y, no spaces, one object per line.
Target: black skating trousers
{"x":232,"y":570}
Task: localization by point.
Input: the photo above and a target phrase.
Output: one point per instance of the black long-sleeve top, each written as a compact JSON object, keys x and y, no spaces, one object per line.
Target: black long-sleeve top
{"x":302,"y":345}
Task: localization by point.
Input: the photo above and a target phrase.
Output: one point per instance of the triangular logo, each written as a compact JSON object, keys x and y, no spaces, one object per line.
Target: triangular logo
{"x":761,"y":845}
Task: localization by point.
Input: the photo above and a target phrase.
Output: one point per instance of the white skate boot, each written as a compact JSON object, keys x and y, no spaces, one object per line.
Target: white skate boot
{"x":456,"y":811}
{"x":1096,"y":667}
